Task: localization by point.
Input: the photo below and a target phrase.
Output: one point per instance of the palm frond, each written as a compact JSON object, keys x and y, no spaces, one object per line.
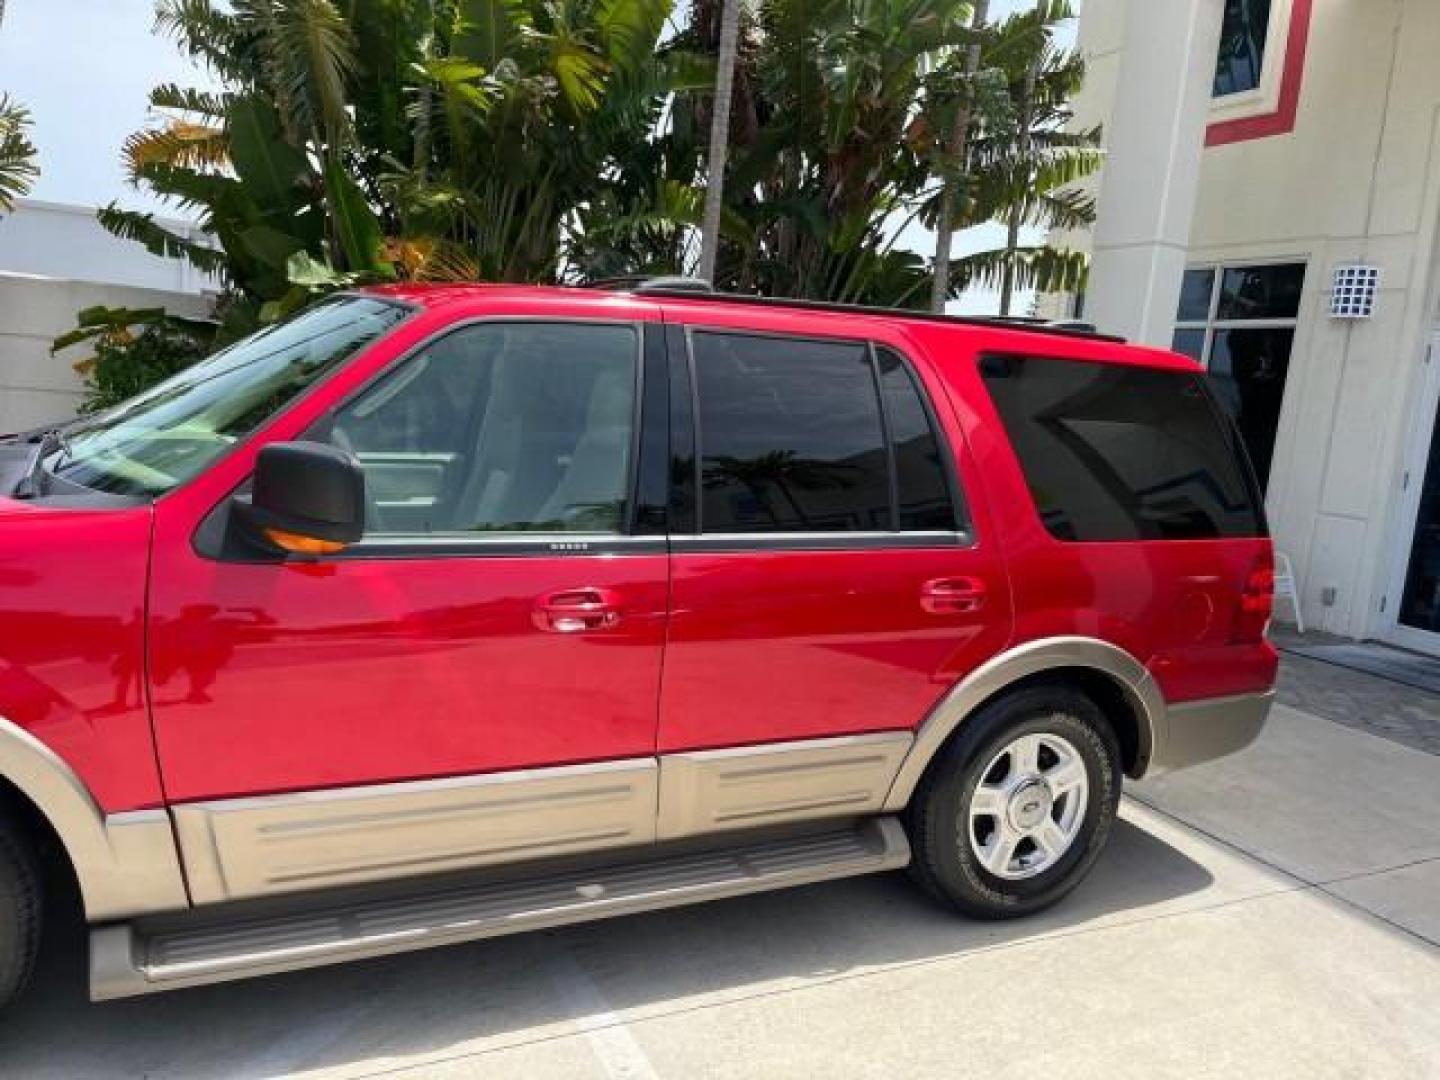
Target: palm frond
{"x":158,"y":240}
{"x":179,"y":144}
{"x":1038,"y":268}
{"x":18,"y":168}
{"x":184,"y":99}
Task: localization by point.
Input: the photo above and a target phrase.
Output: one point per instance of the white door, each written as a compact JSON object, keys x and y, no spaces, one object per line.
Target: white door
{"x":1412,"y":603}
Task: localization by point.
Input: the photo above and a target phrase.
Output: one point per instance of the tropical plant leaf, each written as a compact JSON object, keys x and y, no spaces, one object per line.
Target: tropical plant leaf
{"x":310,"y":273}
{"x":1038,"y":268}
{"x":487,"y":30}
{"x":18,"y":170}
{"x":356,"y":229}
{"x":158,"y":240}
{"x":184,"y":99}
{"x":179,"y":143}
{"x":309,"y":55}
{"x":273,"y":171}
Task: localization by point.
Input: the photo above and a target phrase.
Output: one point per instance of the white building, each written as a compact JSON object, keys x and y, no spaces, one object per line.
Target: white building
{"x":1257,"y":147}
{"x":83,"y":68}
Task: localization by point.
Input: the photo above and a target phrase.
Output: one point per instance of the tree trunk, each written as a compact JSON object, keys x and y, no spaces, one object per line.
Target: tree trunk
{"x":719,"y":139}
{"x":1022,"y":148}
{"x":950,"y":192}
{"x":422,"y":115}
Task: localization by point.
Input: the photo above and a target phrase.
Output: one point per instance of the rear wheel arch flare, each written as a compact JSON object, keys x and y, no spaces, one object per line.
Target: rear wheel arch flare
{"x":1111,"y":677}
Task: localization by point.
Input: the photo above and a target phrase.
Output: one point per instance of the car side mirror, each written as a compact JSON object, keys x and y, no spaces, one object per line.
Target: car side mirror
{"x":307,"y":499}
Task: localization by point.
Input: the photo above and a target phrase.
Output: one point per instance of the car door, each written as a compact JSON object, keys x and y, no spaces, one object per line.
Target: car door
{"x":476,"y":680}
{"x":829,"y":584}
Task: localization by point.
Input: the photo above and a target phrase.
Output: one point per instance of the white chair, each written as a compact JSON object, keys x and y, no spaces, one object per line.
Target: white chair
{"x":1286,"y":587}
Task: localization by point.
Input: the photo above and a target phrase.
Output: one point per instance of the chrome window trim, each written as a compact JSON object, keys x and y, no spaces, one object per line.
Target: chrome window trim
{"x":818,"y":541}
{"x":507,"y":545}
{"x":960,"y":502}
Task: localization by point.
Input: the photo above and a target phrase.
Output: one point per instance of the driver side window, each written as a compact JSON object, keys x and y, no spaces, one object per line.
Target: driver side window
{"x":500,"y":428}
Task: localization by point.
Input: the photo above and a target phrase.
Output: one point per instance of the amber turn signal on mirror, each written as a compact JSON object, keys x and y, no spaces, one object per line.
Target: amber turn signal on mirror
{"x":303,"y":545}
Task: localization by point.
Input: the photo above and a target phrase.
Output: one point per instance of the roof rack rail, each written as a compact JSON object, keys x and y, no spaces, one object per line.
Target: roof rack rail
{"x":674,"y":283}
{"x":688,"y":288}
{"x":643,"y":283}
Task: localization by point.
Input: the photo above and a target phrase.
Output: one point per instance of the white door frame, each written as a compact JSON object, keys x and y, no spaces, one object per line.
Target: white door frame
{"x":1423,"y":429}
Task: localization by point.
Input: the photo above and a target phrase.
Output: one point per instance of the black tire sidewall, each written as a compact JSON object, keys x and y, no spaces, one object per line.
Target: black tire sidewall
{"x":19,"y":912}
{"x":953,"y":867}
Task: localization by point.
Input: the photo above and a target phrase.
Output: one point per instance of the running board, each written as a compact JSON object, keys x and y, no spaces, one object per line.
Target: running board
{"x":144,"y":957}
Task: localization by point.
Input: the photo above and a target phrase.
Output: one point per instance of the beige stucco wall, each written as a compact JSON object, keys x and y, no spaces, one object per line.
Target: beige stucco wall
{"x":1101,"y":39}
{"x":35,"y":387}
{"x":1358,"y":180}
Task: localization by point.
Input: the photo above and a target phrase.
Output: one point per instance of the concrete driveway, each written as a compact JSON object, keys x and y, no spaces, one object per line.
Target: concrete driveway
{"x":1274,"y":915}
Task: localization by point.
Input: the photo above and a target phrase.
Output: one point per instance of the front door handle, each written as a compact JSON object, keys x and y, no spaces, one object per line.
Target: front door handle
{"x":573,"y":611}
{"x":953,"y":596}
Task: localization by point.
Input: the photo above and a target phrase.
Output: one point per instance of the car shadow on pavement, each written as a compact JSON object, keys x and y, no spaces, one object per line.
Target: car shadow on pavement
{"x":447,"y":1003}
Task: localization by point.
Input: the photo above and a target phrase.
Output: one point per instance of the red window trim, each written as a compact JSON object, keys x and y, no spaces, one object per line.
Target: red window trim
{"x":1282,"y":120}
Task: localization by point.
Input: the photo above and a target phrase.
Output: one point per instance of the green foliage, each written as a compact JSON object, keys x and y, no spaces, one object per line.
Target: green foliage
{"x":133,"y":350}
{"x":564,"y":141}
{"x":18,"y":170}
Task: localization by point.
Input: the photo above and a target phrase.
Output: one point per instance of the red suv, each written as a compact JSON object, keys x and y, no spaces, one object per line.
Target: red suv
{"x":437,"y":613}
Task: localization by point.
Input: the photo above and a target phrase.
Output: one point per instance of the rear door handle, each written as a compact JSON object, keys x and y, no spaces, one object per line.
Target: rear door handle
{"x":574,"y":611}
{"x":953,"y":596}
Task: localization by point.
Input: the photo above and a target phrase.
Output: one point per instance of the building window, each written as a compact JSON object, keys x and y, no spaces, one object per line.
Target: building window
{"x":1239,"y":323}
{"x":1243,"y":36}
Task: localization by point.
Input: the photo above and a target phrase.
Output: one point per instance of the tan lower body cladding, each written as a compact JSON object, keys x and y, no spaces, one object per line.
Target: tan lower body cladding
{"x":251,"y":847}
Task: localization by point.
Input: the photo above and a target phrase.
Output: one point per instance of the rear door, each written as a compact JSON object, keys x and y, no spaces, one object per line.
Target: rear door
{"x":828,"y":577}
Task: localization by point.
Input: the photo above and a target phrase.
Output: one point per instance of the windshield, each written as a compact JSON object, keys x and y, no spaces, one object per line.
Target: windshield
{"x":154,"y":442}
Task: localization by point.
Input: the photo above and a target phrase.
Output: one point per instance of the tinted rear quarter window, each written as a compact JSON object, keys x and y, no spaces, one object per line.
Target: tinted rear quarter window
{"x":1114,"y":452}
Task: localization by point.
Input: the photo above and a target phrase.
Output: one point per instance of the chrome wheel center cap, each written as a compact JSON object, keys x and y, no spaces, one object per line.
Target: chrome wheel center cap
{"x":1030,"y":805}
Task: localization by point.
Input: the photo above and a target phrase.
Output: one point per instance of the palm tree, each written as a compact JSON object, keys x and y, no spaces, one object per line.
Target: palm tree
{"x":719,"y":138}
{"x":1028,"y":157}
{"x":828,"y":157}
{"x":413,"y":138}
{"x":18,"y":170}
{"x":1026,"y":123}
{"x":954,"y":165}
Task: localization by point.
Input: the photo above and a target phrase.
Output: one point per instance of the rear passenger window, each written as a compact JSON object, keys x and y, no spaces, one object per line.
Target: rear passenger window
{"x":1113,"y":452}
{"x":920,"y":469}
{"x":792,"y":438}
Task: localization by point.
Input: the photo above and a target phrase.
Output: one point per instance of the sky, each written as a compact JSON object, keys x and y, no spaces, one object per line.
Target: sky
{"x":85,"y":67}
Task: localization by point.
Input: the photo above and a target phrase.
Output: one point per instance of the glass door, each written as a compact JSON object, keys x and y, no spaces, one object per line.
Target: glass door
{"x":1415,"y":605}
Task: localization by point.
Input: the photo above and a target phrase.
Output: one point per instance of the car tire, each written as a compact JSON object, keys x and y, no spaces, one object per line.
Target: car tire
{"x":1018,"y":806}
{"x":20,"y":909}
